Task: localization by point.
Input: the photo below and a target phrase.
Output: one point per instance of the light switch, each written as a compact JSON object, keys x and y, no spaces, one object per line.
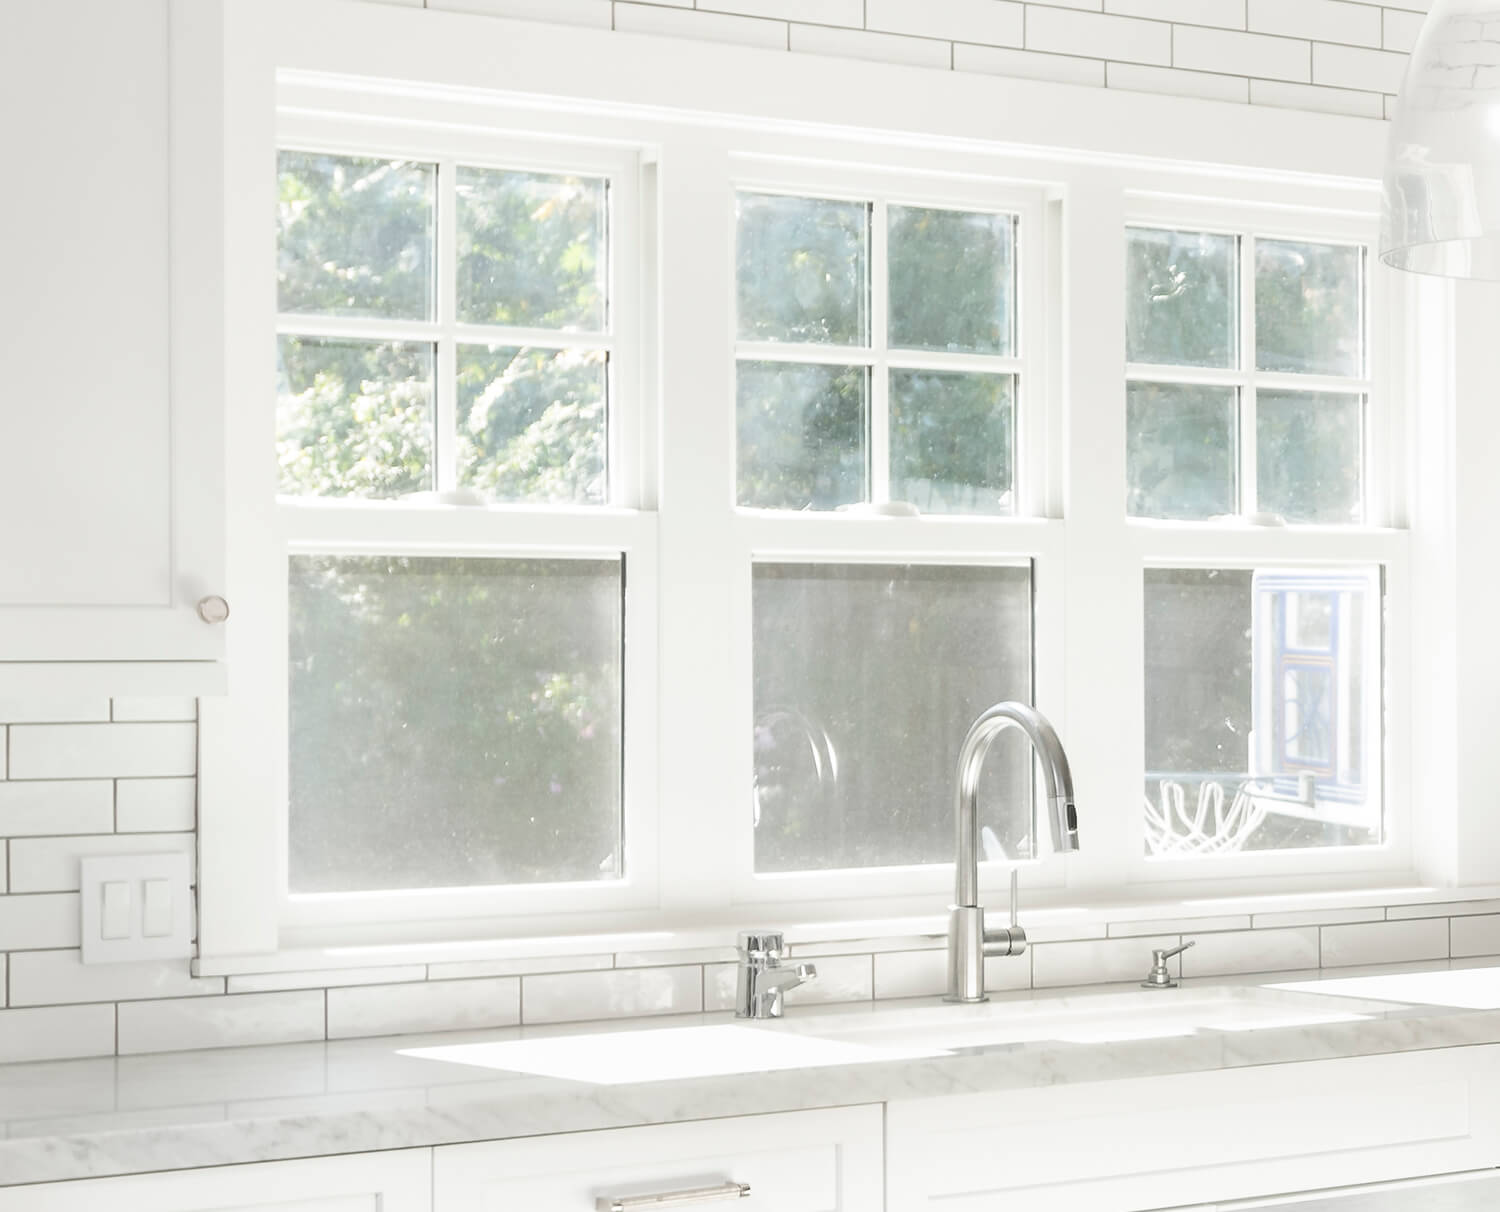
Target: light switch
{"x":135,"y":907}
{"x":114,"y":909}
{"x":156,"y":914}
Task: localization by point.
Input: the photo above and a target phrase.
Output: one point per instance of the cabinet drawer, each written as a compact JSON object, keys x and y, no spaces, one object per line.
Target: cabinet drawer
{"x":1198,"y":1139}
{"x":803,"y":1161}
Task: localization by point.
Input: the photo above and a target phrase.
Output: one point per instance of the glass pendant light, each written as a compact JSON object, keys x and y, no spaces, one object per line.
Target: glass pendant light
{"x":1442,"y":173}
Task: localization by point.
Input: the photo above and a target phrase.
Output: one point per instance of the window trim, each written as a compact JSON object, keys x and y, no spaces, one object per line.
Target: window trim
{"x":1082,"y":153}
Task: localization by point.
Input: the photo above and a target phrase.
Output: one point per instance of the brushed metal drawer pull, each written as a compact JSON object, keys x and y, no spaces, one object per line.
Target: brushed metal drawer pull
{"x":673,"y":1199}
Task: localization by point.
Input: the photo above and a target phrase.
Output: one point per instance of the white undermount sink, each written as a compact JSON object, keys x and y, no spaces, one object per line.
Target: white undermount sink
{"x":1461,"y":988}
{"x":884,"y":1033}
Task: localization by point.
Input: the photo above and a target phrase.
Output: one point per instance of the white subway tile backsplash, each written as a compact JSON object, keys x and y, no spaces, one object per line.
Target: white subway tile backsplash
{"x":1315,"y":917}
{"x":1319,"y":20}
{"x":1442,"y":909}
{"x":668,"y":959}
{"x":1228,"y":13}
{"x":1355,"y":67}
{"x":220,"y":1022}
{"x":154,"y":709}
{"x":424,"y":1006}
{"x":82,"y":751}
{"x":57,"y":1033}
{"x":1028,"y":65}
{"x":461,"y":969}
{"x":620,"y":993}
{"x":925,"y":973}
{"x":1175,"y":82}
{"x":712,"y":27}
{"x":53,"y":710}
{"x":1384,"y":942}
{"x":1252,"y":951}
{"x":268,"y":982}
{"x":1054,"y":964}
{"x":1315,"y":97}
{"x":1471,"y":935}
{"x":1178,"y":925}
{"x":822,"y":12}
{"x":50,"y":808}
{"x":1098,"y":35}
{"x":868,"y":44}
{"x":597,"y":13}
{"x":996,"y":22}
{"x":50,"y":864}
{"x":1401,"y":29}
{"x":49,"y":919}
{"x":1240,"y":54}
{"x":44,"y":978}
{"x":156,"y":805}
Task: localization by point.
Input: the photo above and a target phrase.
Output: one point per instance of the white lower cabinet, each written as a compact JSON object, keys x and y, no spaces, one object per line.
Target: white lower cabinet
{"x":398,"y":1181}
{"x":801,"y":1161}
{"x":1202,"y":1140}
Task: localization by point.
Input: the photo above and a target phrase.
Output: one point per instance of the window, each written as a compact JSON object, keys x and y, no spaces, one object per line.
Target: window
{"x":646,"y":541}
{"x":450,"y":378}
{"x":877,"y":357}
{"x":1247,"y":377}
{"x":1248,"y":399}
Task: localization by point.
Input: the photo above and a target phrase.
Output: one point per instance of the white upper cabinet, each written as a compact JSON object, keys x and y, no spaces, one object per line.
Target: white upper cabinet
{"x":111,"y":316}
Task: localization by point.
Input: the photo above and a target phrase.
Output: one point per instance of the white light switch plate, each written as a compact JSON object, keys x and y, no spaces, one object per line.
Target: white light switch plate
{"x":135,"y":907}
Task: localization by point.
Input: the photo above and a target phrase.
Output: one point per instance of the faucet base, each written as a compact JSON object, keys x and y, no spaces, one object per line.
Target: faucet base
{"x":965,"y":1001}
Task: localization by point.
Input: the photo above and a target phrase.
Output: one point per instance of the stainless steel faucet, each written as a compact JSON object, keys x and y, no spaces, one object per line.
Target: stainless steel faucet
{"x":968,"y":940}
{"x":763,"y":978}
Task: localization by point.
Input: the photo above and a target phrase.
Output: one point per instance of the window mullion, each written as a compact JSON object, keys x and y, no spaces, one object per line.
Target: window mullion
{"x":1247,"y":418}
{"x":445,"y":447}
{"x":880,"y":378}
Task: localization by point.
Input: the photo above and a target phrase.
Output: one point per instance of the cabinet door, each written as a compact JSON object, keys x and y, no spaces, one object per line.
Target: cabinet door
{"x":399,"y":1181}
{"x":111,"y":497}
{"x":1198,"y":1139}
{"x":804,"y":1161}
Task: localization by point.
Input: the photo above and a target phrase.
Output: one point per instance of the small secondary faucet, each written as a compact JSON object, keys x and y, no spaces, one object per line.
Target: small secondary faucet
{"x":968,"y":940}
{"x":763,"y":978}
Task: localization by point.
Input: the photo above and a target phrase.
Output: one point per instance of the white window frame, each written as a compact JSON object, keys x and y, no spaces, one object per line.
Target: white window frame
{"x":617,"y":530}
{"x":1089,"y":169}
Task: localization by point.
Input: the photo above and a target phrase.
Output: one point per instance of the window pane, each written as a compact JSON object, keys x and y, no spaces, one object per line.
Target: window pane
{"x":353,"y":418}
{"x":1180,"y":450}
{"x":867,"y":677}
{"x":1309,"y":455}
{"x":531,"y":249}
{"x":531,"y":423}
{"x":1308,"y":308}
{"x":1182,"y":295}
{"x":355,"y":236}
{"x":952,"y":276}
{"x":802,"y":435}
{"x":952,"y":441}
{"x":454,"y":722}
{"x":1263,"y":713}
{"x":803,"y":270}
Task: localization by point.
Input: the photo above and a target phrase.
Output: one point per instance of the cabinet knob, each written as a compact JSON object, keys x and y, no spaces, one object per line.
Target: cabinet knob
{"x":213,"y":609}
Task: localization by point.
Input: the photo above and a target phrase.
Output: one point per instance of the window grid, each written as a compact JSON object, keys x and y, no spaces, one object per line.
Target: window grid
{"x":445,"y":334}
{"x":1248,"y":380}
{"x":880,"y":358}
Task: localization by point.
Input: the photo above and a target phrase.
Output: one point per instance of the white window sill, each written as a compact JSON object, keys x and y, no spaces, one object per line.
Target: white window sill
{"x":668,"y":946}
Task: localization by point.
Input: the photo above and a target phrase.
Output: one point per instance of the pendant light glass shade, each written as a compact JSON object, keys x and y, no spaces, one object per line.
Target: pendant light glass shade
{"x":1442,"y":173}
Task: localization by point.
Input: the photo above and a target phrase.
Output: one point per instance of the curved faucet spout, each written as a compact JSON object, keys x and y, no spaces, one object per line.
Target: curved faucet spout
{"x":1061,"y":813}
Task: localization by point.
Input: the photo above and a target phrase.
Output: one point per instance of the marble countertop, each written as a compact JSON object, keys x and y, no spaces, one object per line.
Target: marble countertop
{"x":120,"y":1115}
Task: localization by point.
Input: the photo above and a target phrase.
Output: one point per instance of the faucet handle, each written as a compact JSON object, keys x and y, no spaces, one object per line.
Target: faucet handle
{"x":762,"y":944}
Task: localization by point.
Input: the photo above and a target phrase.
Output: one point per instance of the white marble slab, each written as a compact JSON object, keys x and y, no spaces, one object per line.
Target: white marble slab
{"x":178,"y":1110}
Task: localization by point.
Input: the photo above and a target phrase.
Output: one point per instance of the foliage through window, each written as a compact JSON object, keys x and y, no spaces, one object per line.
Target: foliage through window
{"x":1248,"y":379}
{"x":836,"y":408}
{"x":456,"y":720}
